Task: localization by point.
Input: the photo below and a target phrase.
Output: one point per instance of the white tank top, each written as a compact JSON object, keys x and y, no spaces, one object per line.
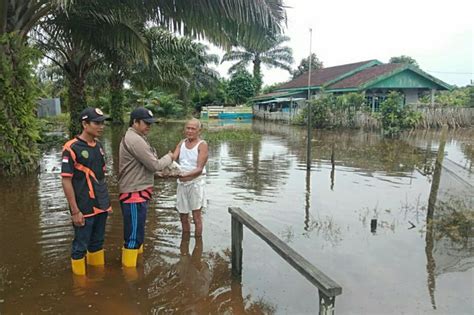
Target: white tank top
{"x":188,"y":157}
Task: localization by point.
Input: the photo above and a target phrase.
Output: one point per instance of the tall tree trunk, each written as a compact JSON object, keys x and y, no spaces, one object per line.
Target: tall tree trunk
{"x":116,"y":95}
{"x":3,"y":16}
{"x":184,"y":96}
{"x":76,"y":101}
{"x":18,"y":93}
{"x":257,"y":75}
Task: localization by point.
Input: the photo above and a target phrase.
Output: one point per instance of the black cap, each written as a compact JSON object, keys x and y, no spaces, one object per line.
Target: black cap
{"x":141,"y":113}
{"x":93,"y":114}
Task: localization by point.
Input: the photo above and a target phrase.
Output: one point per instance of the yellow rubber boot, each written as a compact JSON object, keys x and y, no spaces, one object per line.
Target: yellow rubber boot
{"x":129,"y":257}
{"x":96,"y":258}
{"x":78,"y":266}
{"x":140,"y":249}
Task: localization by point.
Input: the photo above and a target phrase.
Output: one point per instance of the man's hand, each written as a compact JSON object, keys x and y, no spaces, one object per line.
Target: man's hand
{"x":78,"y":218}
{"x":184,"y":177}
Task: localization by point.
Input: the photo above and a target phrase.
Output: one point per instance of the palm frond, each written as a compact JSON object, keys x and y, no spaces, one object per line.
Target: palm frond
{"x":237,"y":55}
{"x":272,"y":63}
{"x":226,"y":22}
{"x":239,"y":65}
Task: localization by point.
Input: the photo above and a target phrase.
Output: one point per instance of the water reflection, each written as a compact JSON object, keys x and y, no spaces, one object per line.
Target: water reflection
{"x":449,"y":220}
{"x":368,"y":153}
{"x":194,"y":274}
{"x":254,"y":174}
{"x":307,"y":204}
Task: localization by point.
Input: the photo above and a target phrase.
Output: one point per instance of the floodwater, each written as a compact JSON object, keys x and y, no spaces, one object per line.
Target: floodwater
{"x":401,"y":266}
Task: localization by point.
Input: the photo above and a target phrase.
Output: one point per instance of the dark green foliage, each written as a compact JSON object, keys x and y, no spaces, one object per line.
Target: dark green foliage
{"x":116,"y":106}
{"x":404,"y":59}
{"x":241,"y":86}
{"x":303,"y":67}
{"x":471,"y":96}
{"x":230,"y":134}
{"x":18,"y":93}
{"x":160,"y":103}
{"x":271,"y":88}
{"x":330,"y":111}
{"x":458,"y":97}
{"x":76,"y":104}
{"x":257,"y":81}
{"x":396,"y":117}
{"x":321,"y":110}
{"x":217,"y":96}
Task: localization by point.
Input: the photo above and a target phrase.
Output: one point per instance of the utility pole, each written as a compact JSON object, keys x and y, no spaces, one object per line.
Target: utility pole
{"x":308,"y":145}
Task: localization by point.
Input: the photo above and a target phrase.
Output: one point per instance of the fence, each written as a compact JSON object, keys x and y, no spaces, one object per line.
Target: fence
{"x":328,"y":288}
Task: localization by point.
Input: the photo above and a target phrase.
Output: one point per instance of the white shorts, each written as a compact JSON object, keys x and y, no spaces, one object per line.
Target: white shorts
{"x":191,"y":195}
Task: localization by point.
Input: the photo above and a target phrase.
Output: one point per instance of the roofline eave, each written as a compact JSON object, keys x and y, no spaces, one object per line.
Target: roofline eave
{"x":301,"y":89}
{"x":417,"y":70}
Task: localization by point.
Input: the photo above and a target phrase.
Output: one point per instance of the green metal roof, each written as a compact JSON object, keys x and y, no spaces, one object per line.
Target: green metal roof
{"x":270,"y":96}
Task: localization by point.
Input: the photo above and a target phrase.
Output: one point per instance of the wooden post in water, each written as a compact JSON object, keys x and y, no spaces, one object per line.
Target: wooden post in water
{"x":326,"y":304}
{"x":308,"y":142}
{"x":237,"y":232}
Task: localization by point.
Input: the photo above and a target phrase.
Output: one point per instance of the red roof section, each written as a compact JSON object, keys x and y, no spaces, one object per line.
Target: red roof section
{"x":366,"y":75}
{"x":322,"y":76}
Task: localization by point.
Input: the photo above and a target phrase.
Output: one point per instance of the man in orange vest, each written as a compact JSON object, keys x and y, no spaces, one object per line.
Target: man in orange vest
{"x":83,"y":180}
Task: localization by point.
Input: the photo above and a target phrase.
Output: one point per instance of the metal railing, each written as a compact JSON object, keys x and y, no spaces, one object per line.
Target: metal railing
{"x":328,"y":289}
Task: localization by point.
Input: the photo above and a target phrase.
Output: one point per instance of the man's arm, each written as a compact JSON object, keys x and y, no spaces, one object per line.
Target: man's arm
{"x":76,"y":214}
{"x":141,"y":151}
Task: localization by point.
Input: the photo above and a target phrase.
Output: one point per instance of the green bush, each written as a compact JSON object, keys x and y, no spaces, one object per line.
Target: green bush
{"x":395,"y":117}
{"x":161,"y":104}
{"x":18,"y":95}
{"x":458,"y":97}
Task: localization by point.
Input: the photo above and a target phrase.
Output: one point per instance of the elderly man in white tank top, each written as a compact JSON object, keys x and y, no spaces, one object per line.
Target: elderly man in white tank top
{"x":191,"y":153}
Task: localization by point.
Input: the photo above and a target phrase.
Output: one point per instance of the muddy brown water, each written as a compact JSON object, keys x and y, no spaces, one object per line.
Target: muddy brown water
{"x":325,"y":215}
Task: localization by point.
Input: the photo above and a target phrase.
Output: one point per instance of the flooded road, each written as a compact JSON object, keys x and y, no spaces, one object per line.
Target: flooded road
{"x":403,"y":266}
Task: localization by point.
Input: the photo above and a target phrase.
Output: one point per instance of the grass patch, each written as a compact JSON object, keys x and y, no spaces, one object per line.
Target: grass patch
{"x":230,"y":134}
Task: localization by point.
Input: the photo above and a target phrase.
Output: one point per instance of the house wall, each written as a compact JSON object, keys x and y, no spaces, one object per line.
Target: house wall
{"x":404,"y":80}
{"x":411,"y":96}
{"x":286,"y":114}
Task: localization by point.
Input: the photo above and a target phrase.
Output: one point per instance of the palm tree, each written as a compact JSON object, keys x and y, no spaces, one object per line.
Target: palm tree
{"x":226,"y":22}
{"x":77,"y":39}
{"x":271,"y":53}
{"x":18,"y":91}
{"x":177,"y":65}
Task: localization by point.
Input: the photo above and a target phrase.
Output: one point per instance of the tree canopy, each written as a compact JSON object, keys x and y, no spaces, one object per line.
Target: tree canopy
{"x":404,"y":59}
{"x":304,"y":65}
{"x":271,"y":53}
{"x":241,"y":86}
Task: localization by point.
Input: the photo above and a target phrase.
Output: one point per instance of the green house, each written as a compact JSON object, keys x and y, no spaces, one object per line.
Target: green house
{"x":372,"y":77}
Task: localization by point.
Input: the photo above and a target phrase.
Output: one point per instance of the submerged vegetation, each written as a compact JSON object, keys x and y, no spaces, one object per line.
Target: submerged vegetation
{"x":230,"y":134}
{"x":454,"y":219}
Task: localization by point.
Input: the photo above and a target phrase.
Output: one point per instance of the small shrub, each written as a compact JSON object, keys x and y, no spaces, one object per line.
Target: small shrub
{"x":395,"y":117}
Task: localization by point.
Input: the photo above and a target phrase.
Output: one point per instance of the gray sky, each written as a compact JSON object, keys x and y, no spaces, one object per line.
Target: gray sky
{"x":437,"y":34}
